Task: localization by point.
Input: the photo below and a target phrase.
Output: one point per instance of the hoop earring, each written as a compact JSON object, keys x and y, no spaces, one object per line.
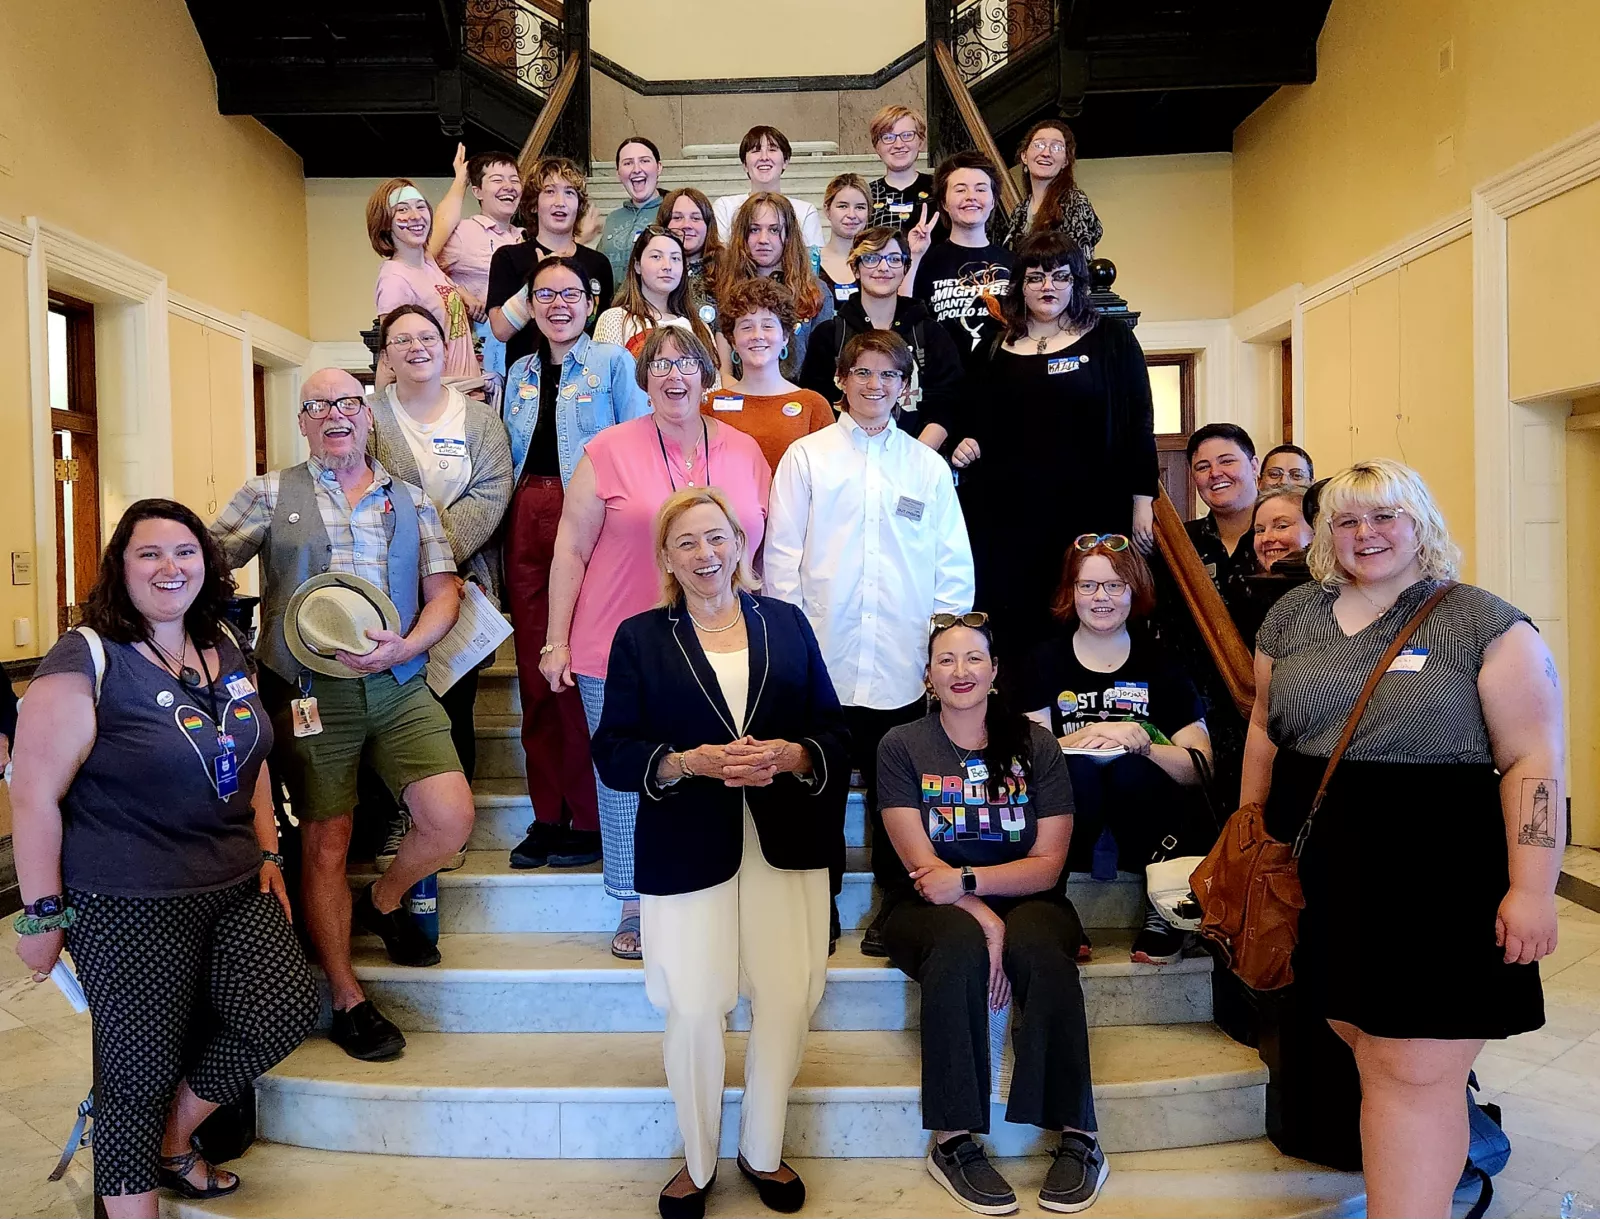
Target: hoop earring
{"x":736,"y":366}
{"x":783,"y":353}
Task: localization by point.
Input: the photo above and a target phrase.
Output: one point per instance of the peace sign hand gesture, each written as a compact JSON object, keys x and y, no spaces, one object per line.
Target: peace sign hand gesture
{"x":920,"y":235}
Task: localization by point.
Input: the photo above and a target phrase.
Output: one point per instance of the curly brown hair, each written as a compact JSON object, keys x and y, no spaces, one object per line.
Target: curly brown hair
{"x":746,"y":296}
{"x":110,"y":609}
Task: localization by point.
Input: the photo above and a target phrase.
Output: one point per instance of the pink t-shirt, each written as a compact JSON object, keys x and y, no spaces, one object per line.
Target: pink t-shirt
{"x":624,"y":574}
{"x":466,"y":255}
{"x":431,"y":288}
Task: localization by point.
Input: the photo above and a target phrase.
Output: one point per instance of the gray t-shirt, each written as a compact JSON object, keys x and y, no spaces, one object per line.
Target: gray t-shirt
{"x":971,"y":822}
{"x":142,"y":817}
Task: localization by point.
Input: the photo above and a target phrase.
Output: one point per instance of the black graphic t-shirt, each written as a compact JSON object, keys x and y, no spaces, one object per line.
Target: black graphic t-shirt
{"x":953,"y":280}
{"x":1148,"y":687}
{"x":971,"y":822}
{"x":901,"y":207}
{"x":508,"y":275}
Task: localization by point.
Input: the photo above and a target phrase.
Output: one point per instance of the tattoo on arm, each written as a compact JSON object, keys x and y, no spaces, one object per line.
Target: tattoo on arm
{"x":1537,"y":818}
{"x":1550,"y":672}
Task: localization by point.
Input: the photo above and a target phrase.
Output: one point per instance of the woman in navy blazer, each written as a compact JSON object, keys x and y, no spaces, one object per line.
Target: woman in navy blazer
{"x":720,"y":713}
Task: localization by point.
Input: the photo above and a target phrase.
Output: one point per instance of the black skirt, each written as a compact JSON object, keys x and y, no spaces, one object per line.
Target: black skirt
{"x":1404,"y":871}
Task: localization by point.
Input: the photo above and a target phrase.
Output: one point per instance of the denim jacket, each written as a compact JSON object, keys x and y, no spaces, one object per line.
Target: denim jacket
{"x":597,"y":390}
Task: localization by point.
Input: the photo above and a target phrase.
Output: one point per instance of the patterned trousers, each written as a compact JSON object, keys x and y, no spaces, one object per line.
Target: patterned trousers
{"x":618,"y":810}
{"x":208,"y":987}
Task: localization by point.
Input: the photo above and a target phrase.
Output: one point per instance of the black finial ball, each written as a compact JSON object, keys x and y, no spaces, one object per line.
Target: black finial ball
{"x":1102,"y":274}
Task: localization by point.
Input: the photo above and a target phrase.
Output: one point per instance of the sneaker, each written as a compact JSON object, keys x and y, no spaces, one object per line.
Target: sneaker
{"x":965,"y":1172}
{"x":1075,"y":1179}
{"x":1085,"y":950}
{"x":574,"y":848}
{"x":404,"y":940}
{"x":872,"y":937}
{"x":364,"y":1032}
{"x":834,"y":930}
{"x":534,"y":850}
{"x":1158,"y":942}
{"x":391,"y":845}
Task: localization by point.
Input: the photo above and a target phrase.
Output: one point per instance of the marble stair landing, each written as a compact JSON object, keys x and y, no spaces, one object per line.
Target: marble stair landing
{"x":585,"y":1096}
{"x":1247,"y":1179}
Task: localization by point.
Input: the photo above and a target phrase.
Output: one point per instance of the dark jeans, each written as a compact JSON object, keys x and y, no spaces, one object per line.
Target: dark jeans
{"x":942,"y":948}
{"x":1141,"y":803}
{"x":867,"y":727}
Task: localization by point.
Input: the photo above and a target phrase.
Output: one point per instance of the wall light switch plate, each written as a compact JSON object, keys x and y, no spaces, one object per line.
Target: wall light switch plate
{"x":21,"y":632}
{"x":21,"y":567}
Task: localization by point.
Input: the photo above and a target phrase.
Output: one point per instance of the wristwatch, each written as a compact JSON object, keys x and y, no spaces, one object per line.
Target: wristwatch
{"x":272,"y":857}
{"x":45,"y":907}
{"x":969,"y":881}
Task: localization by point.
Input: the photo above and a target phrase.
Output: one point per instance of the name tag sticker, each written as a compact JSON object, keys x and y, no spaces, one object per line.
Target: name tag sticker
{"x":237,"y":685}
{"x":900,"y":209}
{"x":1062,"y":364}
{"x":446,"y":446}
{"x":909,"y":508}
{"x":1410,"y":660}
{"x":731,"y":402}
{"x":977,"y":771}
{"x":843,"y":292}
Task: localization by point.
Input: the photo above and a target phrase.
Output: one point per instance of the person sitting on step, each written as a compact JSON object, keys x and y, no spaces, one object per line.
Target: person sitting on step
{"x":720,"y":715}
{"x":765,"y":153}
{"x":1131,"y":719}
{"x":340,"y":511}
{"x":979,"y":804}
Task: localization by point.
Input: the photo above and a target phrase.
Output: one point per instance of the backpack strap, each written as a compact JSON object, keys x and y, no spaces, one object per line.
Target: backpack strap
{"x":97,"y":653}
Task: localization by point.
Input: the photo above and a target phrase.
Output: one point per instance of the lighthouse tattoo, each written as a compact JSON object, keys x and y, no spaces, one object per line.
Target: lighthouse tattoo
{"x":1537,"y":825}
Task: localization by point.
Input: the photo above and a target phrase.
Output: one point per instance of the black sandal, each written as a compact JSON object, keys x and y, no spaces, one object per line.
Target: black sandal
{"x":172,"y":1172}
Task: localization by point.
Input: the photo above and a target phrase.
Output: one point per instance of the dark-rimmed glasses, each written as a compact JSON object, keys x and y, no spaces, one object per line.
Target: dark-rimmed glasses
{"x":571,"y":295}
{"x":1088,"y":588}
{"x":321,"y":408}
{"x":895,"y":259}
{"x":661,"y":366}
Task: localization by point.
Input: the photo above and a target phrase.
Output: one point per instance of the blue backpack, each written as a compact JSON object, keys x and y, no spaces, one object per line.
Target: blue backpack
{"x":1488,"y":1149}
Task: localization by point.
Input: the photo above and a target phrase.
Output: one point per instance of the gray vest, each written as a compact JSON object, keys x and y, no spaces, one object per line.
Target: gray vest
{"x":298,"y":548}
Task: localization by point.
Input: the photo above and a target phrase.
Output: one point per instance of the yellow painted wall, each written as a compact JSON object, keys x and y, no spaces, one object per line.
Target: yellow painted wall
{"x":16,"y":490}
{"x":1388,"y":373}
{"x":714,"y":38}
{"x":1553,"y":257}
{"x":1329,"y":173}
{"x":208,"y":422}
{"x":109,"y":127}
{"x":1582,"y":678}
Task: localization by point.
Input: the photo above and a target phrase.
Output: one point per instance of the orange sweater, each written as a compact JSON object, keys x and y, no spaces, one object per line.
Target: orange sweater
{"x":775,"y":420}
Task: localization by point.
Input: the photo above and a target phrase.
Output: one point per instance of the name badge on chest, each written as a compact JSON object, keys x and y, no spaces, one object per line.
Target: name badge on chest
{"x":1410,"y":660}
{"x":237,"y":685}
{"x":446,"y":446}
{"x":909,"y":508}
{"x":728,"y":402}
{"x":977,"y":771}
{"x":1063,"y":364}
{"x":225,"y":767}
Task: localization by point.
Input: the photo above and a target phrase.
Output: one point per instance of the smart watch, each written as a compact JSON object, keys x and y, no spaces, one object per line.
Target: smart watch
{"x":969,"y":881}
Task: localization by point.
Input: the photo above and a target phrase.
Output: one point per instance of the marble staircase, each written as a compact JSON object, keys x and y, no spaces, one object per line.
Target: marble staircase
{"x":531,"y":1042}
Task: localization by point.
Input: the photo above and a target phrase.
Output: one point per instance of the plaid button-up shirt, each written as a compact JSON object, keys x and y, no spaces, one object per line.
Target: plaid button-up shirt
{"x":360,"y":542}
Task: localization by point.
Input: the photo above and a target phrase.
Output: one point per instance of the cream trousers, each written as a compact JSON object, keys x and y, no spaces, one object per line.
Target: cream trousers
{"x":763,"y":933}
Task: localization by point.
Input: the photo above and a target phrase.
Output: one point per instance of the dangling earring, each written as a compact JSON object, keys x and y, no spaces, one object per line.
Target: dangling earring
{"x":927,"y":687}
{"x":783,"y":353}
{"x":736,"y":366}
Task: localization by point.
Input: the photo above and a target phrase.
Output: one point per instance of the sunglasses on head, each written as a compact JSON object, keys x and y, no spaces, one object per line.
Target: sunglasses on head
{"x":1115,"y":542}
{"x":976,"y":619}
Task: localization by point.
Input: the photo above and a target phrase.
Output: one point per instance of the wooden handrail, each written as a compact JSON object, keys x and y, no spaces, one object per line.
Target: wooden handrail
{"x":1010,"y":196}
{"x":1211,"y":617}
{"x":533,"y":146}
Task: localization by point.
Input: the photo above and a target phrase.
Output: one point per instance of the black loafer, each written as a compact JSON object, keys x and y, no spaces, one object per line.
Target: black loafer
{"x":833,"y":927}
{"x":366,"y":1033}
{"x":689,"y":1206}
{"x":784,"y":1196}
{"x":405,"y":941}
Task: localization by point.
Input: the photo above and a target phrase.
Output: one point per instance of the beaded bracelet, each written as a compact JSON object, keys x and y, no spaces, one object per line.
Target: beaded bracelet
{"x":28,"y":924}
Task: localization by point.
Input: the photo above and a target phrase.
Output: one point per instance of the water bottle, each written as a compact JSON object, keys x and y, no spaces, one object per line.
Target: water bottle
{"x":424,"y":904}
{"x":1105,"y":856}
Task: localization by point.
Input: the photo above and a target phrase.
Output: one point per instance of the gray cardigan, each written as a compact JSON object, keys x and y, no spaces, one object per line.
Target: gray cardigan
{"x":471,"y":523}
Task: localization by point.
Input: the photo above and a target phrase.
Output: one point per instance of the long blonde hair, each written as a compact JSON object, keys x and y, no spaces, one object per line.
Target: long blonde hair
{"x":679,"y":502}
{"x":1381,"y":483}
{"x":794,"y":263}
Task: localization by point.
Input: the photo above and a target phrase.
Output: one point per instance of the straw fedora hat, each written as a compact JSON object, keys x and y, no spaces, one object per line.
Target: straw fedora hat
{"x":332,"y":612}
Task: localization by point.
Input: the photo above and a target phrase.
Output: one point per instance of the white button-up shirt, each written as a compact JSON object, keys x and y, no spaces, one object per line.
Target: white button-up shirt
{"x":866,"y":536}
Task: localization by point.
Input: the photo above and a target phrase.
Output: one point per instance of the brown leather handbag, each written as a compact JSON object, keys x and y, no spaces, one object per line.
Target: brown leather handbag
{"x":1248,"y":887}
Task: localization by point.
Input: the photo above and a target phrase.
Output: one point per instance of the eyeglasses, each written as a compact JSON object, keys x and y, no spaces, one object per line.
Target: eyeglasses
{"x":321,"y":408}
{"x":1115,"y":542}
{"x":976,"y":619}
{"x":661,"y":366}
{"x":899,"y":137}
{"x":401,"y":341}
{"x":1381,"y":519}
{"x":1278,"y":474}
{"x":888,"y":260}
{"x":889,"y":376}
{"x":1035,"y":279}
{"x":571,"y":295}
{"x":1114,"y":588}
{"x":1048,"y":146}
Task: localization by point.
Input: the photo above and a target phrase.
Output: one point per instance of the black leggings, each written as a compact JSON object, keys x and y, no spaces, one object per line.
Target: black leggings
{"x":943,"y":949}
{"x":1141,"y":803}
{"x":208,"y":987}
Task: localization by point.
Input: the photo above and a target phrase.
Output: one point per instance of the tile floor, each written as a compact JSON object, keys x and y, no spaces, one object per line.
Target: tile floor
{"x":1547,"y":1083}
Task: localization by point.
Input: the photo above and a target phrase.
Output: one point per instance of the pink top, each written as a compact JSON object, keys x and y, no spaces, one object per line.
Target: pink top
{"x":431,"y":288}
{"x":624,"y":574}
{"x":466,"y":255}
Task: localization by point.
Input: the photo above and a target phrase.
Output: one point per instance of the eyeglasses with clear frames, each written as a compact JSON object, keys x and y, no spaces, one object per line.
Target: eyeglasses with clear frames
{"x":321,"y":408}
{"x":571,"y":295}
{"x":1381,"y":519}
{"x":1055,"y":146}
{"x":889,"y":376}
{"x":401,"y":341}
{"x":1060,"y":277}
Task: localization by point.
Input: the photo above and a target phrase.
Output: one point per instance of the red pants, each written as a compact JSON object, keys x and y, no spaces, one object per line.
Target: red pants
{"x":555,"y":735}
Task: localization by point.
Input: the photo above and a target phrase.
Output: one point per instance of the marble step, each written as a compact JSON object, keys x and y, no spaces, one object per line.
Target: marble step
{"x":504,"y":812}
{"x":498,"y":692}
{"x":601,"y":1095}
{"x":486,"y":895}
{"x":1250,"y":1178}
{"x":572,"y":984}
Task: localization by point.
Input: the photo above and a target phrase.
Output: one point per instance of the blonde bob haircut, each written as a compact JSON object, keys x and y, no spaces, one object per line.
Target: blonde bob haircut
{"x":1382,"y":483}
{"x":679,"y":502}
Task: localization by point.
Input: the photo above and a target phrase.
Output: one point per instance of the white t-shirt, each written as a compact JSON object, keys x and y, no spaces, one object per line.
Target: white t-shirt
{"x":440,"y":449}
{"x":727,"y":207}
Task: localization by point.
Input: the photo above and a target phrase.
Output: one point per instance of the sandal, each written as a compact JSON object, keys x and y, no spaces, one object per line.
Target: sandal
{"x":172,"y":1172}
{"x":628,"y":926}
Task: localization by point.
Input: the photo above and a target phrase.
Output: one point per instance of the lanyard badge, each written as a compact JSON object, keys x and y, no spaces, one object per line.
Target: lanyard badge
{"x":225,"y":766}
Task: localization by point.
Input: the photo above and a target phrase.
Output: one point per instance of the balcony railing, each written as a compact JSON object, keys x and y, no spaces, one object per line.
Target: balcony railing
{"x":988,"y":34}
{"x":521,"y":40}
